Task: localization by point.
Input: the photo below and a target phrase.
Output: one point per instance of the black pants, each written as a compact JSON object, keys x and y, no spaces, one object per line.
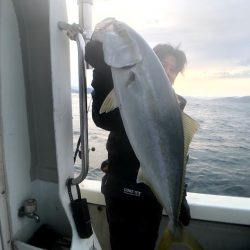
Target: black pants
{"x":133,"y":214}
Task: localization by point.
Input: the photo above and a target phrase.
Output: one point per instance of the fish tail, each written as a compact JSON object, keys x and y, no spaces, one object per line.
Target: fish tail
{"x":182,"y":240}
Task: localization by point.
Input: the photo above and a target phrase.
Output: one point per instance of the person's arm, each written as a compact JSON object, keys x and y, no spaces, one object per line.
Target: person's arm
{"x":185,"y":216}
{"x":102,"y":84}
{"x":181,"y":101}
{"x":110,"y":121}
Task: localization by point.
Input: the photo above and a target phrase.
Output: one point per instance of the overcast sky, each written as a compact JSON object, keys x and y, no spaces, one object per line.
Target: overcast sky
{"x":214,"y":34}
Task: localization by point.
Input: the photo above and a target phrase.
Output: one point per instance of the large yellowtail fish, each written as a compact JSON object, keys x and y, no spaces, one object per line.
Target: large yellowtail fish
{"x":156,"y":127}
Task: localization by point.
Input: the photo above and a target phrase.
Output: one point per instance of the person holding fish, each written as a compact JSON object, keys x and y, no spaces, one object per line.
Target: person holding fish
{"x":133,"y":211}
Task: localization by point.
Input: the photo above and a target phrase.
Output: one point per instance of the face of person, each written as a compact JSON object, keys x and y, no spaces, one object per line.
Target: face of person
{"x":170,"y":66}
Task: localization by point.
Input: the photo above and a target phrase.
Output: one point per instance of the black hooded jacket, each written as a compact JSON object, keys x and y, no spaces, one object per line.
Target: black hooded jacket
{"x":122,"y":160}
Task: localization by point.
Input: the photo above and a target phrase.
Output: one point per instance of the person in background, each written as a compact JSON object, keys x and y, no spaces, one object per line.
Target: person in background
{"x":173,"y":61}
{"x":133,"y":212}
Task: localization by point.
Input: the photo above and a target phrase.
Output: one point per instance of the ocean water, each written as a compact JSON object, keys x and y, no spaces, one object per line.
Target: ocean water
{"x":219,"y":155}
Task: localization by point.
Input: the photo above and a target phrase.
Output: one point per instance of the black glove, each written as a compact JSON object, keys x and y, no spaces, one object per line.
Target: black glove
{"x":105,"y":166}
{"x":185,"y":210}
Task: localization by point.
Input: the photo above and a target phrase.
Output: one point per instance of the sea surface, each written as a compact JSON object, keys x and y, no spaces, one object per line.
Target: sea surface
{"x":219,"y":161}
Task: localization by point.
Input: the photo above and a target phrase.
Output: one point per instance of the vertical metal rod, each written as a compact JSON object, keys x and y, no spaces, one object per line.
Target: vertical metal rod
{"x":83,"y":110}
{"x":85,"y":21}
{"x":85,"y":15}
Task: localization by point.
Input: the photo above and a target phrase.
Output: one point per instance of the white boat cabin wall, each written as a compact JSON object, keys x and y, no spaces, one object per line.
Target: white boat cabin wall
{"x":36,"y":123}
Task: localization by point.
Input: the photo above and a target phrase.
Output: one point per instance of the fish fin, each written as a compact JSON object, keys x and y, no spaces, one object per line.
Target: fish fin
{"x":110,"y":103}
{"x":184,"y":241}
{"x":190,"y":126}
{"x":141,"y":177}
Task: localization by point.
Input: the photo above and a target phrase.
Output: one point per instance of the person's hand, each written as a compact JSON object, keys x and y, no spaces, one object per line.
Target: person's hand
{"x":73,"y":30}
{"x":105,"y":166}
{"x":185,"y":210}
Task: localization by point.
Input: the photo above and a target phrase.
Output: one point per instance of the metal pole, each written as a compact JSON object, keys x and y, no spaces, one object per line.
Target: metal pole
{"x":85,"y":21}
{"x":85,"y":15}
{"x":82,"y":101}
{"x":83,"y":111}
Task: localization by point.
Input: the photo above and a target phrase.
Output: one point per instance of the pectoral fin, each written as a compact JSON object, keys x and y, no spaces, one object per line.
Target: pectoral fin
{"x":110,"y":103}
{"x":141,"y":177}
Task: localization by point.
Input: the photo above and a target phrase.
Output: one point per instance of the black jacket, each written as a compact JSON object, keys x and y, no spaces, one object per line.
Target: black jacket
{"x":121,"y":157}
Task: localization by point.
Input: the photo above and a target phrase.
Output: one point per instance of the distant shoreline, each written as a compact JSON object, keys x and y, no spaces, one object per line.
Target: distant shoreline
{"x":76,"y":91}
{"x":228,"y":98}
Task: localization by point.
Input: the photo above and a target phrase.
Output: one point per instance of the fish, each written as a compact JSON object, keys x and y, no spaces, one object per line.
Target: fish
{"x":159,"y":132}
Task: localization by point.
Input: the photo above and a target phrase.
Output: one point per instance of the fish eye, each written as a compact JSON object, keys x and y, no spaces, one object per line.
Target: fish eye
{"x":131,"y":76}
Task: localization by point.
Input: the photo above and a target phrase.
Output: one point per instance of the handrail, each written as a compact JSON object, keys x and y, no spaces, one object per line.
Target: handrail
{"x":75,"y":33}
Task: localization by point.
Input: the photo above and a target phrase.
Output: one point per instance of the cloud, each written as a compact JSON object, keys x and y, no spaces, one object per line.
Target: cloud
{"x":245,"y":62}
{"x":211,"y":32}
{"x":243,"y":74}
{"x":214,"y":34}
